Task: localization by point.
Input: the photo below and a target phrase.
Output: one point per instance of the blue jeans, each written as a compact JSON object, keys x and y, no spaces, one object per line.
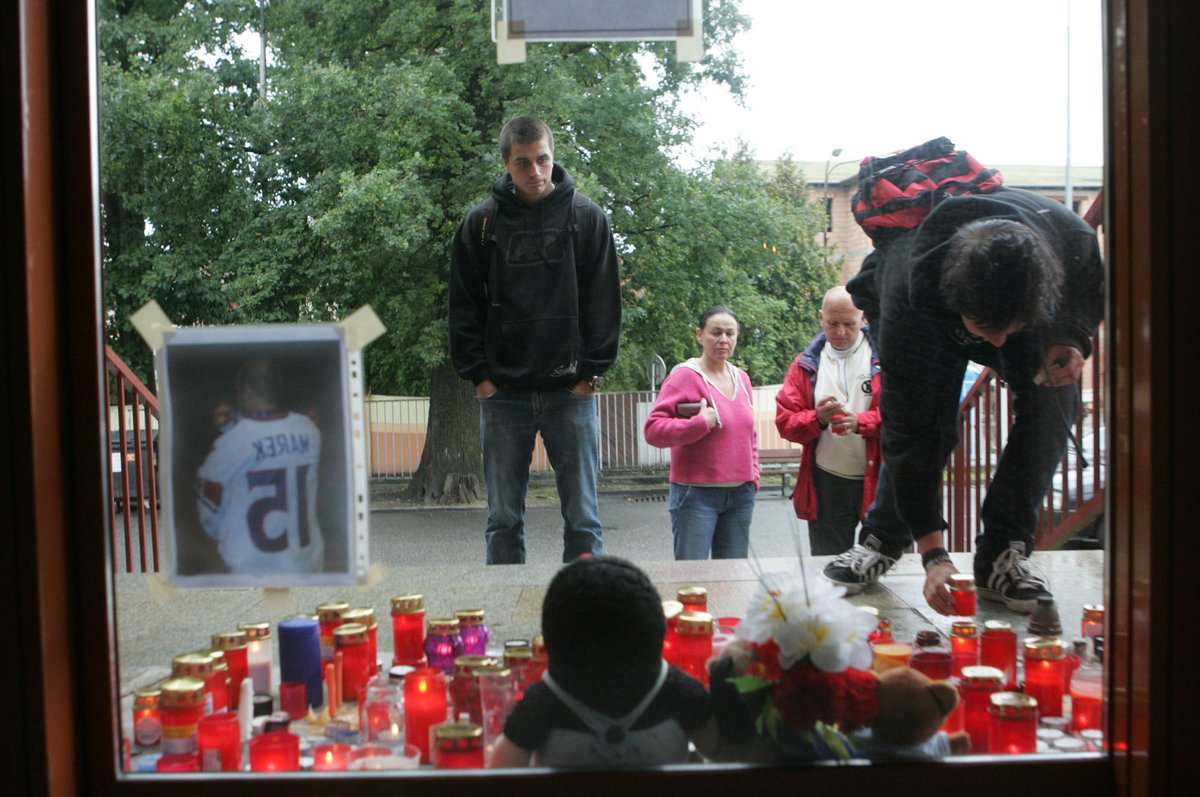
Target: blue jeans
{"x":711,"y":518}
{"x":509,"y":422}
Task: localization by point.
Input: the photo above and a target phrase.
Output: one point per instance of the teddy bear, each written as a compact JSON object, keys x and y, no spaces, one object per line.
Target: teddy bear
{"x":903,"y":710}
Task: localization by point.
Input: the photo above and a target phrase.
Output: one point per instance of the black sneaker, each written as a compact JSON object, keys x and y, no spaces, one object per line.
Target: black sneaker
{"x":1009,"y":580}
{"x":861,"y":566}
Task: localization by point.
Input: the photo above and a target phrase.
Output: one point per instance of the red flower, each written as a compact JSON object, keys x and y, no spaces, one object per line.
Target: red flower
{"x":766,"y":666}
{"x":806,"y":695}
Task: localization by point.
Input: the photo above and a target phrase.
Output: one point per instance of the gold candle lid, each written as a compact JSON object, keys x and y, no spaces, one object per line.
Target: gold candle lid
{"x":671,"y":609}
{"x":349,"y":634}
{"x":539,"y":647}
{"x":518,"y":656}
{"x":1093,"y":612}
{"x":229,"y":640}
{"x":997,"y":625}
{"x":465,"y":666}
{"x":331,"y":612}
{"x":218,"y":657}
{"x":978,"y":675}
{"x":1043,"y":648}
{"x":695,"y":624}
{"x":1016,"y":705}
{"x":256,"y":630}
{"x":963,"y":582}
{"x":408,"y":604}
{"x":691,"y":596}
{"x":458,"y":736}
{"x":364,"y":615}
{"x":443,"y":625}
{"x":469,"y":616}
{"x":964,"y":629}
{"x":185,"y":692}
{"x":147,"y":694}
{"x":493,"y":672}
{"x":195,"y":665}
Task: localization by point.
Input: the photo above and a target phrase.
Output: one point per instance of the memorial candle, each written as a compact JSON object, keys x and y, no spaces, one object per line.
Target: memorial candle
{"x":220,"y":680}
{"x":278,"y":751}
{"x":694,"y":599}
{"x":1093,"y":621}
{"x":200,"y":665}
{"x":1012,"y":723}
{"x":331,"y":757}
{"x":464,"y":688}
{"x":147,"y":721}
{"x":329,"y":616}
{"x":181,"y":706}
{"x":473,"y":630}
{"x":519,"y":659}
{"x":425,"y":704}
{"x":1044,"y":674}
{"x":458,"y":745}
{"x":671,"y":612}
{"x":998,"y":648}
{"x":234,"y":645}
{"x":219,"y":739}
{"x":300,"y":655}
{"x":365,"y":616}
{"x":694,"y":640}
{"x":408,"y":630}
{"x":259,"y":655}
{"x":962,"y":591}
{"x":964,"y":644}
{"x":537,"y":665}
{"x":350,"y":643}
{"x":886,"y":655}
{"x":976,"y":687}
{"x":443,"y":644}
{"x":932,"y":656}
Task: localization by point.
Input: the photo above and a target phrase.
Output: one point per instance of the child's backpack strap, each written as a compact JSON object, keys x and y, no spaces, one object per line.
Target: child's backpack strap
{"x":612,"y":733}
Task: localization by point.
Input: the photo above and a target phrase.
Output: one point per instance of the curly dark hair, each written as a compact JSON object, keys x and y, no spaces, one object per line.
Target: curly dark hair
{"x":998,"y":272}
{"x":602,"y":620}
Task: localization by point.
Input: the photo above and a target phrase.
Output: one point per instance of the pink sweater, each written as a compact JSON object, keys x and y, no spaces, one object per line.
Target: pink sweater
{"x":726,"y":453}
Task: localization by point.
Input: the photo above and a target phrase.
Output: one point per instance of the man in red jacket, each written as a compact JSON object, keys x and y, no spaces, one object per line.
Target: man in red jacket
{"x":829,"y":403}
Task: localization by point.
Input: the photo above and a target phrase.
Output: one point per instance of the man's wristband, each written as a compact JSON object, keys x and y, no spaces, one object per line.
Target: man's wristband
{"x":934,"y":556}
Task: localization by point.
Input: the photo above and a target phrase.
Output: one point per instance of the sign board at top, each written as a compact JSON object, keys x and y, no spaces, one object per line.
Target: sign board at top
{"x":519,"y":21}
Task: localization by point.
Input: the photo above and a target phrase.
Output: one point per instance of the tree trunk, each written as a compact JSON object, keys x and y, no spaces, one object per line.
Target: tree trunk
{"x":451,"y":469}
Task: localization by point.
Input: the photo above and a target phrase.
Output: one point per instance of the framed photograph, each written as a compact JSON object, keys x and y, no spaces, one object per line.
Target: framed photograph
{"x":261,"y":461}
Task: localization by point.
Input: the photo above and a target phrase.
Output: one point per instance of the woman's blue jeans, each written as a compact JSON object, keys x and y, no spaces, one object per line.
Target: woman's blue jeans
{"x":715,"y":519}
{"x":509,"y":422}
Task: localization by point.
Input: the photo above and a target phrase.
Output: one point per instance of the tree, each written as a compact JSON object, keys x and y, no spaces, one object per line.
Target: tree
{"x":343,"y":183}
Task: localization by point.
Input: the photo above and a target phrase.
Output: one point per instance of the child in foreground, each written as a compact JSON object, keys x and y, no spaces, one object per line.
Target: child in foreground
{"x":607,"y":698}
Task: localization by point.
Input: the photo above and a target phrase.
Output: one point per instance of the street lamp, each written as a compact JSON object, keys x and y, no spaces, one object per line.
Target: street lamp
{"x":830,"y":167}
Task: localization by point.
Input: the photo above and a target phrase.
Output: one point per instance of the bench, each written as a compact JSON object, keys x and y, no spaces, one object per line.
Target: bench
{"x":782,"y":462}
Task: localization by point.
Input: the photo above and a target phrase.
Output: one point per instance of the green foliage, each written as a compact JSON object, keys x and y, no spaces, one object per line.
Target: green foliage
{"x":343,"y":184}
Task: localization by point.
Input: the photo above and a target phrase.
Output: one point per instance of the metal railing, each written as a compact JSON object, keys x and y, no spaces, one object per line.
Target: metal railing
{"x":396,"y":430}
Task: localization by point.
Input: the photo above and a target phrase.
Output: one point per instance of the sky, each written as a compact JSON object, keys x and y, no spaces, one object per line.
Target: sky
{"x":876,"y":76}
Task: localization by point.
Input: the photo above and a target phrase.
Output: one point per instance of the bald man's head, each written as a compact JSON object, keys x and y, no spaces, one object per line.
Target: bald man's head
{"x":839,"y":318}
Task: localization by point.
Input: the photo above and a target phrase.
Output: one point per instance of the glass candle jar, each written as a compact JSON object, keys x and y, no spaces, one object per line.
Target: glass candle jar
{"x":962,"y":591}
{"x":931,"y":655}
{"x":1044,"y":674}
{"x":181,"y":705}
{"x":1012,"y":723}
{"x":380,"y":714}
{"x":497,"y":696}
{"x":293,"y":699}
{"x":458,"y":745}
{"x":1093,"y":620}
{"x":886,"y":655}
{"x":201,"y":666}
{"x":426,"y":703}
{"x":976,"y":686}
{"x":329,"y":617}
{"x":259,"y":656}
{"x":408,"y":630}
{"x":473,"y":630}
{"x":998,"y":648}
{"x":464,"y":688}
{"x":219,"y":739}
{"x":234,"y":645}
{"x":221,"y":697}
{"x":278,"y":751}
{"x":365,"y":616}
{"x":695,"y":635}
{"x":331,"y":757}
{"x":519,"y":659}
{"x":350,"y":640}
{"x":443,"y":643}
{"x":882,"y":634}
{"x":694,"y":599}
{"x":1087,"y":697}
{"x":300,"y":656}
{"x":964,"y":645}
{"x":671,"y":612}
{"x":147,"y":721}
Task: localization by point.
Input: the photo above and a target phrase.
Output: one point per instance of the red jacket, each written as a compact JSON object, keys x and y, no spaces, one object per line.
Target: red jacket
{"x":796,"y":420}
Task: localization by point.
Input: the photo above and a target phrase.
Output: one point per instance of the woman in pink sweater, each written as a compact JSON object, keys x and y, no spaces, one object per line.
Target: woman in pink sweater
{"x":714,"y":445}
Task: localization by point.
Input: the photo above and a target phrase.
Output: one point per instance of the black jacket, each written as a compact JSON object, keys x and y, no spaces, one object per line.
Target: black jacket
{"x":535,"y":293}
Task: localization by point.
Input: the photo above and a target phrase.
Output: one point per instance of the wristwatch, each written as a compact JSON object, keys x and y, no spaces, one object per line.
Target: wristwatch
{"x":597,"y":382}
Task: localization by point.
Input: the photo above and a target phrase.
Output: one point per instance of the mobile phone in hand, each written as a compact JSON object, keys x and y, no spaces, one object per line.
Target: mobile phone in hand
{"x":686,"y":409}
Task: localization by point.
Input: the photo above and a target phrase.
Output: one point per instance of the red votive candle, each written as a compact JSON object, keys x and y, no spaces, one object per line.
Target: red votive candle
{"x":277,"y":751}
{"x":694,"y":599}
{"x":147,"y":720}
{"x":519,"y":660}
{"x":964,"y":645}
{"x":425,"y":704}
{"x":181,"y":706}
{"x":408,"y":630}
{"x":1012,"y":723}
{"x":1044,"y":674}
{"x":962,"y":590}
{"x":293,"y":698}
{"x":1093,"y":621}
{"x":458,"y":745}
{"x":200,"y":665}
{"x":694,"y":637}
{"x":976,"y":687}
{"x":234,"y":645}
{"x":671,"y":612}
{"x":464,"y":688}
{"x":365,"y":616}
{"x":177,"y":762}
{"x":350,"y":640}
{"x":331,"y":757}
{"x":932,"y":656}
{"x":539,"y":662}
{"x":882,"y":635}
{"x":329,"y":617}
{"x":219,"y":737}
{"x":998,"y":648}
